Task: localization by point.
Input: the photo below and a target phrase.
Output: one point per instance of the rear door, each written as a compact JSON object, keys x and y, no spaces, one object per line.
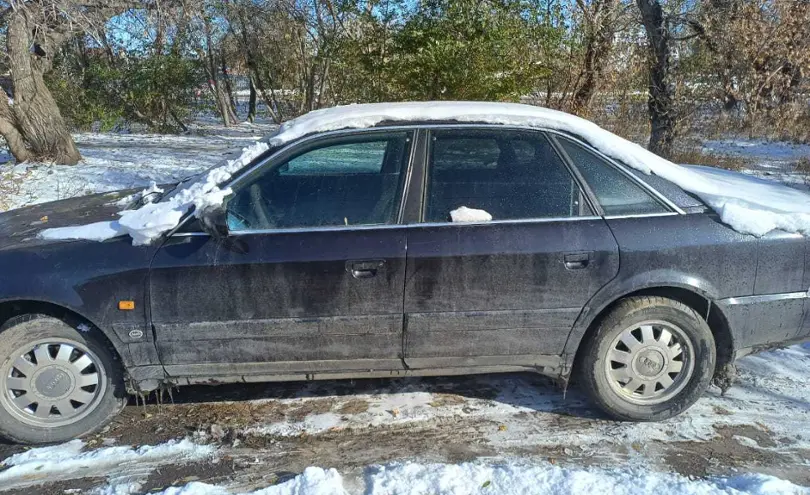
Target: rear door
{"x":505,"y":291}
{"x":311,"y":276}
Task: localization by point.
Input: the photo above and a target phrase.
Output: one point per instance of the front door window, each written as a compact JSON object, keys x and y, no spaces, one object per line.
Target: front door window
{"x":352,"y":182}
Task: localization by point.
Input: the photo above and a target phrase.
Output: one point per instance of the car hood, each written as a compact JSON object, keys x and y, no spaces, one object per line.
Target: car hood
{"x":23,"y":224}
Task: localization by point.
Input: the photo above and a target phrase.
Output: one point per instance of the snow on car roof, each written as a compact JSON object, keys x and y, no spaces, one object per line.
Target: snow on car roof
{"x":747,"y":206}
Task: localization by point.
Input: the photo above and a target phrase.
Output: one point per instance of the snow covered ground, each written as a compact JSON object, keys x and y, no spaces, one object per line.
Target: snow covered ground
{"x":412,"y":478}
{"x":121,"y":161}
{"x":771,"y":160}
{"x":485,"y":434}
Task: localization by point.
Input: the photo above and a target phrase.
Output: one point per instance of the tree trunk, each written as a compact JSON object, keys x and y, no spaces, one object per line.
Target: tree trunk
{"x":226,"y":81}
{"x":8,"y":128}
{"x":251,"y":116}
{"x":661,"y":99}
{"x":223,"y":103}
{"x":270,"y":101}
{"x":221,"y":98}
{"x":37,"y":119}
{"x":598,"y":43}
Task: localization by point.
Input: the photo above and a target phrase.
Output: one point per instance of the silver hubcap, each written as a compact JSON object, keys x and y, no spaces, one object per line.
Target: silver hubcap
{"x":650,"y":363}
{"x":52,"y":383}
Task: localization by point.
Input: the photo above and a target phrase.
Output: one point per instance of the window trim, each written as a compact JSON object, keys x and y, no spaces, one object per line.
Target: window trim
{"x":584,"y":191}
{"x":394,"y":226}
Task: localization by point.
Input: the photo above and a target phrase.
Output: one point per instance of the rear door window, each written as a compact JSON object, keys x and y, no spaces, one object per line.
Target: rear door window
{"x":508,"y":174}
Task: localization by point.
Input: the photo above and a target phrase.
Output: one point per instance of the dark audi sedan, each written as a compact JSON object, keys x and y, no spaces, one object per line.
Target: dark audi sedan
{"x":404,"y":246}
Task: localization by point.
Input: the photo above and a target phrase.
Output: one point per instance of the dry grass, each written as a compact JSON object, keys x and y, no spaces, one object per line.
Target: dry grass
{"x":9,"y":186}
{"x":695,"y":155}
{"x":354,"y":406}
{"x":803,"y":166}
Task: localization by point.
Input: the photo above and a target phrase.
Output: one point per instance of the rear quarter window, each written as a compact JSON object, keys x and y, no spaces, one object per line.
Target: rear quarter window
{"x":617,"y":193}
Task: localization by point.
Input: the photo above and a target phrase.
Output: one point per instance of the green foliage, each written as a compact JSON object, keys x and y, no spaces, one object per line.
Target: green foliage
{"x":155,"y":90}
{"x":80,"y":109}
{"x":472,"y":50}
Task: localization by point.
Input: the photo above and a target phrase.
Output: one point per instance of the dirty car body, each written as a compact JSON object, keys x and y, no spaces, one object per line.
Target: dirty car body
{"x":338,"y":259}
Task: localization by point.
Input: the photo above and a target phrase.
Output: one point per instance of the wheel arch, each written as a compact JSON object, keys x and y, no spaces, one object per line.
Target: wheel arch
{"x":12,"y":308}
{"x":696,"y":299}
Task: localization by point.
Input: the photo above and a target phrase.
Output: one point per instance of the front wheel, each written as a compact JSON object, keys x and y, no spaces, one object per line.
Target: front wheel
{"x":649,"y":359}
{"x":56,"y":383}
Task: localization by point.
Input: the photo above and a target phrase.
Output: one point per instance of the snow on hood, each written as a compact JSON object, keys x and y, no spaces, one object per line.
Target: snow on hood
{"x":747,"y":207}
{"x":151,"y":220}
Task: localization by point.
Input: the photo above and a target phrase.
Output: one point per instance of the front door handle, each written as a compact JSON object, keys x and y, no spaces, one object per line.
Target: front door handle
{"x":364,"y":268}
{"x":577,"y":261}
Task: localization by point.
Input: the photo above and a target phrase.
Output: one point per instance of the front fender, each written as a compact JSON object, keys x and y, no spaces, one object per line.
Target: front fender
{"x":87,"y":279}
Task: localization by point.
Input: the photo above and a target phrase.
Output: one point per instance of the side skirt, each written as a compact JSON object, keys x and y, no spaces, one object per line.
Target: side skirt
{"x":546,"y":365}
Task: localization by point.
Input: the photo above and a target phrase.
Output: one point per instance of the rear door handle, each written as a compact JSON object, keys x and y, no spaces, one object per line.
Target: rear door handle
{"x":577,"y":261}
{"x":364,"y":268}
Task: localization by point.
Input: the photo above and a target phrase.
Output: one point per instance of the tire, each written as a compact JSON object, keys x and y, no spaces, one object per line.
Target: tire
{"x":89,"y":394}
{"x":643,"y":381}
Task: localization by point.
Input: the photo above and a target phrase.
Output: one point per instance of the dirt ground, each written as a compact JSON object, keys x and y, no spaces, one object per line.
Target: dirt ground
{"x":558,"y":428}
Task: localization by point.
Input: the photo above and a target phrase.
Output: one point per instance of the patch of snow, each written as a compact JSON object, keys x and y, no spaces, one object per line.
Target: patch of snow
{"x":118,"y":489}
{"x":464,"y":214}
{"x":767,"y":151}
{"x":745,"y":441}
{"x":311,"y":425}
{"x":70,"y":460}
{"x":510,"y":477}
{"x":83,"y":327}
{"x":313,"y":481}
{"x":98,"y":231}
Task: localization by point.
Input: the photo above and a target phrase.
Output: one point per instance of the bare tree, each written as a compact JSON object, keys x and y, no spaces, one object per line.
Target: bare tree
{"x":760,"y":52}
{"x":33,"y":125}
{"x":661,"y":98}
{"x":204,"y":32}
{"x":599,"y":26}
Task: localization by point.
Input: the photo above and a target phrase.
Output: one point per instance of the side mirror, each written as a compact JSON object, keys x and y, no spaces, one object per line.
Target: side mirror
{"x":214,"y":221}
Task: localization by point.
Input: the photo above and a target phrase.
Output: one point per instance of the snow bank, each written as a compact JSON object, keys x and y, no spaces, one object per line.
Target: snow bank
{"x":313,"y":481}
{"x":153,"y":219}
{"x":746,"y":206}
{"x":44,"y":462}
{"x":510,"y":478}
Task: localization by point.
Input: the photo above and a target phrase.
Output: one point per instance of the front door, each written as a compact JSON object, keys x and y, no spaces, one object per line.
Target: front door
{"x":504,"y":291}
{"x":311,"y":276}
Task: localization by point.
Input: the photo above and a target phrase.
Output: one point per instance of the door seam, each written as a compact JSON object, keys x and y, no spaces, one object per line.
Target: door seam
{"x":404,"y":315}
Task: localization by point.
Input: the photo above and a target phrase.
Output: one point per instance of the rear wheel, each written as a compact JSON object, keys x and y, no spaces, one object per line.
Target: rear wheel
{"x":56,"y":383}
{"x":649,"y":359}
